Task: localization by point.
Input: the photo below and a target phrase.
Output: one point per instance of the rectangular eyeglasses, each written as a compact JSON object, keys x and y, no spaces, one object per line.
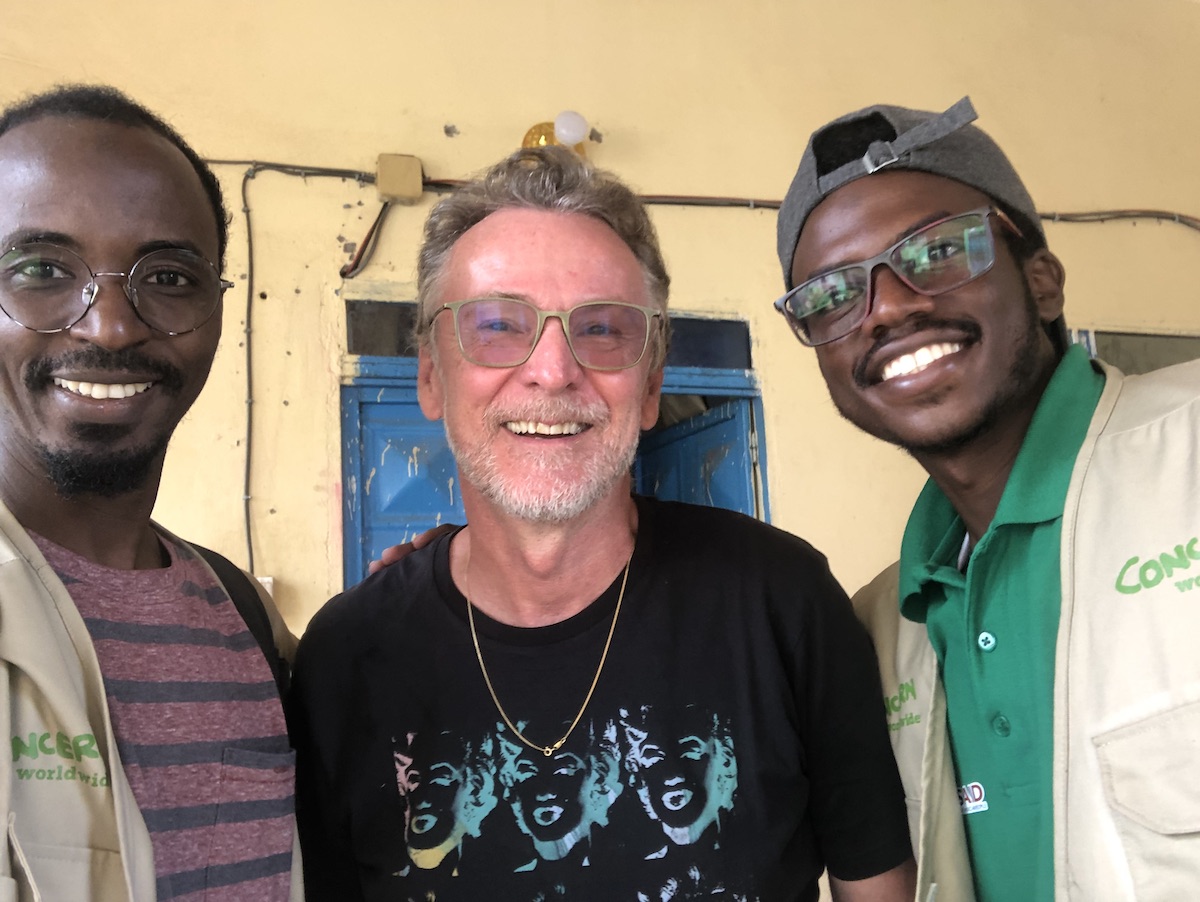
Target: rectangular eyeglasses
{"x":940,"y":257}
{"x":502,"y":332}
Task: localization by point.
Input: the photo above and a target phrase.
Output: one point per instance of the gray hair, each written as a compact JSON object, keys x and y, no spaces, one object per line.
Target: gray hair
{"x":541,"y":178}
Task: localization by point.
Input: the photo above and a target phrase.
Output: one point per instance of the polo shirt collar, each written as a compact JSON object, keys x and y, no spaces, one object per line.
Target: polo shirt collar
{"x":1037,"y":486}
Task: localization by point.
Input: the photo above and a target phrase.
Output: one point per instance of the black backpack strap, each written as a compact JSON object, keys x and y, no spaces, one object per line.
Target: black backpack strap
{"x":249,"y":604}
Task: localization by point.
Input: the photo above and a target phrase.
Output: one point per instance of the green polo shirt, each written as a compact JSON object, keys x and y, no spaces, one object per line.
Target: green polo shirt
{"x":994,"y":629}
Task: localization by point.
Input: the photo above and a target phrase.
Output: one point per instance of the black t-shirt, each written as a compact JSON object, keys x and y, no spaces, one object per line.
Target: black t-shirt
{"x":735,"y":744}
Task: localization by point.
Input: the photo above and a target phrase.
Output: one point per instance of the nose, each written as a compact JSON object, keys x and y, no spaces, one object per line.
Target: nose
{"x":892,"y":302}
{"x":552,"y":365}
{"x":111,"y":320}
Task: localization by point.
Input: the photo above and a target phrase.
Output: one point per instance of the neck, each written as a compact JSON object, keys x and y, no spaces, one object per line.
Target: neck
{"x":974,"y":477}
{"x":113,"y":532}
{"x":535,"y":574}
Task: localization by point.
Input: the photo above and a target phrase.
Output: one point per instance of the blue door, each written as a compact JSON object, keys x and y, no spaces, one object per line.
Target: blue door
{"x":399,"y":477}
{"x":708,"y":459}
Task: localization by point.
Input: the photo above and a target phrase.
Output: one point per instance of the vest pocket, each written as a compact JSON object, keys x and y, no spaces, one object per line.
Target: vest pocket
{"x":45,"y":872}
{"x":1151,"y":775}
{"x":65,"y":872}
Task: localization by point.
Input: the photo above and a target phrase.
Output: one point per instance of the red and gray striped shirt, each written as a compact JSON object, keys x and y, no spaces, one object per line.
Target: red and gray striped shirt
{"x":198,"y":723}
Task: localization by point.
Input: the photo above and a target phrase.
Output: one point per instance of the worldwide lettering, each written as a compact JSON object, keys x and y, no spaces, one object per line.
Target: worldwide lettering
{"x":63,"y":773}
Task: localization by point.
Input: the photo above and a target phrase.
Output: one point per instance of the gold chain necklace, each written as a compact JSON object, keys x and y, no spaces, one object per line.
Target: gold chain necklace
{"x":546,"y":750}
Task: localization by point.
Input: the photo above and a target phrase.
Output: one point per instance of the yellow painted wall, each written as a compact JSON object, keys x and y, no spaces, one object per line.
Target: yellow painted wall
{"x":1093,"y":99}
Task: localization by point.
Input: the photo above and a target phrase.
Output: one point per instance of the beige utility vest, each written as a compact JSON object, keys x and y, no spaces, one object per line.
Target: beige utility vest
{"x":1127,"y":669}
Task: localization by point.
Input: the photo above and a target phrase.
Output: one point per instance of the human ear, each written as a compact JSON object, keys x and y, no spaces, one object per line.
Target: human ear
{"x":430,"y":394}
{"x":651,"y":399}
{"x":1045,"y":276}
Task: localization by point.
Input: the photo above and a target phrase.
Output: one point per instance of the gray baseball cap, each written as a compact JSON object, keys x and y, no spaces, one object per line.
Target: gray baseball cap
{"x":943,"y":144}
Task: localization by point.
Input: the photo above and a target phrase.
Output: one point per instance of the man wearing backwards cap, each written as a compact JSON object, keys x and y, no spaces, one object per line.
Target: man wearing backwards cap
{"x":1036,"y":639}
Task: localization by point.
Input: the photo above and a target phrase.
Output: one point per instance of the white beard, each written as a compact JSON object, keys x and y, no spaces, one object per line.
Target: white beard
{"x":552,"y":485}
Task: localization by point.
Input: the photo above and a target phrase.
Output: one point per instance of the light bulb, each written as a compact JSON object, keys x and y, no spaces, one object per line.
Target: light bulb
{"x":570,"y":128}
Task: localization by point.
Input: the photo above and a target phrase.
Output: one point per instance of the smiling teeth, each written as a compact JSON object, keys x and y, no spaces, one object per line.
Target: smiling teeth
{"x":529,"y":427}
{"x":908,"y":364}
{"x":102,"y":390}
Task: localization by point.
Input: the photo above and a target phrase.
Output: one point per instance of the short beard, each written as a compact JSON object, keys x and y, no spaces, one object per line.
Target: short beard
{"x":1026,"y":374}
{"x":105,"y":474}
{"x":539,"y":494}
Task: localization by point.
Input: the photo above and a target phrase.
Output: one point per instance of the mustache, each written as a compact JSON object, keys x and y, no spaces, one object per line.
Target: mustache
{"x":38,"y":374}
{"x":550,"y":410}
{"x":969,"y":329}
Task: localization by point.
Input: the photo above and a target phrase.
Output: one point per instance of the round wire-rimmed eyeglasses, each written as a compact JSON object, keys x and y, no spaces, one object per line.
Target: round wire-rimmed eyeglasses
{"x":49,"y":288}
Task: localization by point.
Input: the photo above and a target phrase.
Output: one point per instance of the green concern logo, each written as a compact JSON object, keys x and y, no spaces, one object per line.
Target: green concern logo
{"x":58,"y":747}
{"x":895,"y":705}
{"x":1137,"y":574}
{"x":73,"y":748}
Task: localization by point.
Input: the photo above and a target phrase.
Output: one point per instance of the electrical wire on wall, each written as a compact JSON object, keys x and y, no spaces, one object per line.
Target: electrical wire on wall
{"x":255,"y":167}
{"x":366,"y":249}
{"x":1182,"y":219}
{"x":250,"y":173}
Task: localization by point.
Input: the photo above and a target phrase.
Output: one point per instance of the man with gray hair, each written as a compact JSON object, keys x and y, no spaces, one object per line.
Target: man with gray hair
{"x":569,"y":621}
{"x":1037,"y":638}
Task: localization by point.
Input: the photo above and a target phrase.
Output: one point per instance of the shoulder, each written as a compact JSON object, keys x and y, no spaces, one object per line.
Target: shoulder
{"x":738,"y":567}
{"x":693,"y":530}
{"x":877,"y":607}
{"x":878,"y":602}
{"x":377,"y":605}
{"x":1139,"y":400}
{"x":249,"y":597}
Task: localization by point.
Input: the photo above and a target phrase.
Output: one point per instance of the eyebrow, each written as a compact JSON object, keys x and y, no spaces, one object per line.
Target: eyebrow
{"x":508,"y":296}
{"x":39,"y":236}
{"x":62,"y":239}
{"x":164,"y":245}
{"x":896,"y":239}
